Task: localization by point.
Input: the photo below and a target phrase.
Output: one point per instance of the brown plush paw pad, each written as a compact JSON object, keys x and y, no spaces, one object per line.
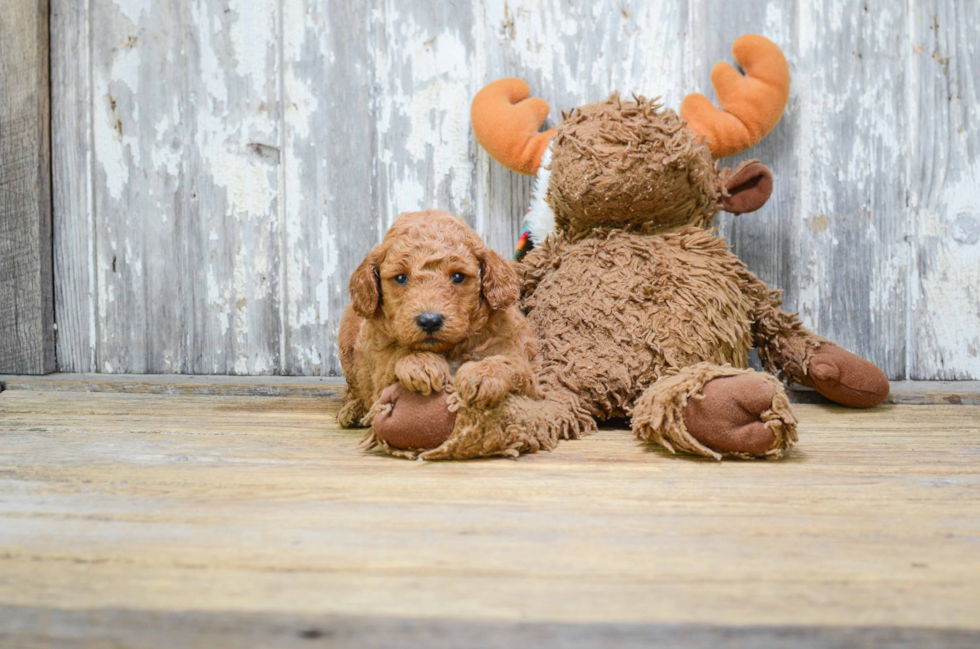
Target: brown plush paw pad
{"x":414,"y":421}
{"x":846,"y":378}
{"x":728,"y":417}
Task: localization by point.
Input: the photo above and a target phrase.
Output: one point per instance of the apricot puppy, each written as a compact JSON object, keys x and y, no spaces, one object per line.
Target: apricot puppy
{"x":433,"y":312}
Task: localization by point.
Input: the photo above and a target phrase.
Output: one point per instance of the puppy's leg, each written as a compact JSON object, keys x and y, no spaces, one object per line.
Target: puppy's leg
{"x":352,"y":410}
{"x":486,"y":382}
{"x":423,"y":372}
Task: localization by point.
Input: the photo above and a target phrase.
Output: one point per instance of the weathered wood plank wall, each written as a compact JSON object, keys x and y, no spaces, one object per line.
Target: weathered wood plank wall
{"x":221,"y":166}
{"x":27,"y":335}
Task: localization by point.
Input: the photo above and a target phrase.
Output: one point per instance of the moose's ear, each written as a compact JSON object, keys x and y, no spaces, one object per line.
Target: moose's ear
{"x":365,"y":287}
{"x":499,"y":282}
{"x":747,"y":189}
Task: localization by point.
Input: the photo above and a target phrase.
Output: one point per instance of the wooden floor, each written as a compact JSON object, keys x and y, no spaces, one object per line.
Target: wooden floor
{"x":189,"y":519}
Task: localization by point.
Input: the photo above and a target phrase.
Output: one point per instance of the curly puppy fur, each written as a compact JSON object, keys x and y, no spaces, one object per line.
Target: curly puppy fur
{"x":432,"y":263}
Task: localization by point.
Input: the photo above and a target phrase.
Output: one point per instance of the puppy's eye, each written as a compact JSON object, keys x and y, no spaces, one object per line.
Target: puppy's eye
{"x":401,"y":279}
{"x":458,"y":278}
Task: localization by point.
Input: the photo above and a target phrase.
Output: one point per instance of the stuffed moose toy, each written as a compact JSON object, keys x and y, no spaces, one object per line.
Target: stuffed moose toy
{"x":640,"y":310}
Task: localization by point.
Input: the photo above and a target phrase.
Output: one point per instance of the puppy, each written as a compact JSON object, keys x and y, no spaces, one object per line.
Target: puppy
{"x":432,"y":309}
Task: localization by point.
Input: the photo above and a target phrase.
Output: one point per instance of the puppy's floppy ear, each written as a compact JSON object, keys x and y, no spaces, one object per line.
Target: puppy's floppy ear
{"x":499,"y":281}
{"x":365,"y":287}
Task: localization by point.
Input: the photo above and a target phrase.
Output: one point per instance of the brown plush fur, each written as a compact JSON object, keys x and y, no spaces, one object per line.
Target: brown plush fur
{"x":636,"y":303}
{"x":482,"y":353}
{"x":604,"y":156}
{"x":634,"y":290}
{"x":637,"y":307}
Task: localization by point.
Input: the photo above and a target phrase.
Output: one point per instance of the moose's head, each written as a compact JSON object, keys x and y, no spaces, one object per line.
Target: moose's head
{"x":635,"y":164}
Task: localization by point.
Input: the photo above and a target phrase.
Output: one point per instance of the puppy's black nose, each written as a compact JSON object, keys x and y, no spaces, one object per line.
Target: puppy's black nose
{"x":430,"y":322}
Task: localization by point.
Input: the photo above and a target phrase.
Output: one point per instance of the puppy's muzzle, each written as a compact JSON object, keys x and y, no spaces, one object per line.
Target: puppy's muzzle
{"x":430,"y":322}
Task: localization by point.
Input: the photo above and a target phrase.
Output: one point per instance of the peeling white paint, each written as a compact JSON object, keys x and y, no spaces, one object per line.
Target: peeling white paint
{"x":278,"y":234}
{"x":134,"y":10}
{"x":947,"y":298}
{"x":254,"y":24}
{"x":112,"y":139}
{"x":425,"y":125}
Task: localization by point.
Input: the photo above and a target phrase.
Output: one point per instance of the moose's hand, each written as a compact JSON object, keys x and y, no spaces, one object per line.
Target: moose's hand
{"x":846,"y":378}
{"x":413,"y":421}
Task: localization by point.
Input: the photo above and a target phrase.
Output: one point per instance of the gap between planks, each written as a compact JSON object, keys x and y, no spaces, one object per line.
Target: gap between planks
{"x":902,"y":392}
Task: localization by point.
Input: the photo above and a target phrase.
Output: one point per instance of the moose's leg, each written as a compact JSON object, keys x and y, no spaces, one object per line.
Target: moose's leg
{"x":716,"y":411}
{"x":518,"y":424}
{"x":803,"y":357}
{"x":409,"y":422}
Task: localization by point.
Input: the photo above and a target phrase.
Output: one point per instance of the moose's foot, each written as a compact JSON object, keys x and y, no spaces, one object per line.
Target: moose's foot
{"x":727,"y":415}
{"x":846,"y":378}
{"x":516,"y":425}
{"x":717,"y":411}
{"x":406,"y":422}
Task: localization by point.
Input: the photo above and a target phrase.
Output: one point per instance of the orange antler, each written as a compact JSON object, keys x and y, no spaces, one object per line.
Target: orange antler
{"x":751,"y":105}
{"x":506,"y":124}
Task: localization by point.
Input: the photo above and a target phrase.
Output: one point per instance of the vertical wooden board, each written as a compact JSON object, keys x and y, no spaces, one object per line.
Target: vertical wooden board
{"x":423,"y":67}
{"x":71,"y":171}
{"x":852,"y":261}
{"x":570,"y":55}
{"x":944,"y":191}
{"x":186,"y":166}
{"x":26,"y":284}
{"x":333,"y":210}
{"x":766,"y":240}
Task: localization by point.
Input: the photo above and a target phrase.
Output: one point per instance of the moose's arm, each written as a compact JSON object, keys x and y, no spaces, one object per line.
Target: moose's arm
{"x":783,"y":343}
{"x":803,"y":357}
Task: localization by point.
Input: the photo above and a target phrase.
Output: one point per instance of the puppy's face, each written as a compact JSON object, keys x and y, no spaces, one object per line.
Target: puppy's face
{"x":432,"y":283}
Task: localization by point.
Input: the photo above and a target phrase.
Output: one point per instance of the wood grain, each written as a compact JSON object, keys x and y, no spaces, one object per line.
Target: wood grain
{"x":902,"y":392}
{"x":853,"y":252}
{"x":944,"y":204}
{"x":236,"y":505}
{"x":185,"y":139}
{"x":26,"y":284}
{"x":332,"y":205}
{"x":45,"y":628}
{"x":235,"y":227}
{"x":73,"y":211}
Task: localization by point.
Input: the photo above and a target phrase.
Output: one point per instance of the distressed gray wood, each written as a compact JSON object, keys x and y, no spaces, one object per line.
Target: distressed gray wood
{"x":944,"y":191}
{"x":52,"y":628}
{"x":423,"y":70}
{"x":26,"y":302}
{"x":332,"y":205}
{"x":186,"y":134}
{"x":852,"y":259}
{"x":238,"y":187}
{"x":71,"y":170}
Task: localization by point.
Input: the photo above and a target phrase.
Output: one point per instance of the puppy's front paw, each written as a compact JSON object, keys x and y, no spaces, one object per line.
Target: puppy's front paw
{"x":424,"y":372}
{"x":476,"y":384}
